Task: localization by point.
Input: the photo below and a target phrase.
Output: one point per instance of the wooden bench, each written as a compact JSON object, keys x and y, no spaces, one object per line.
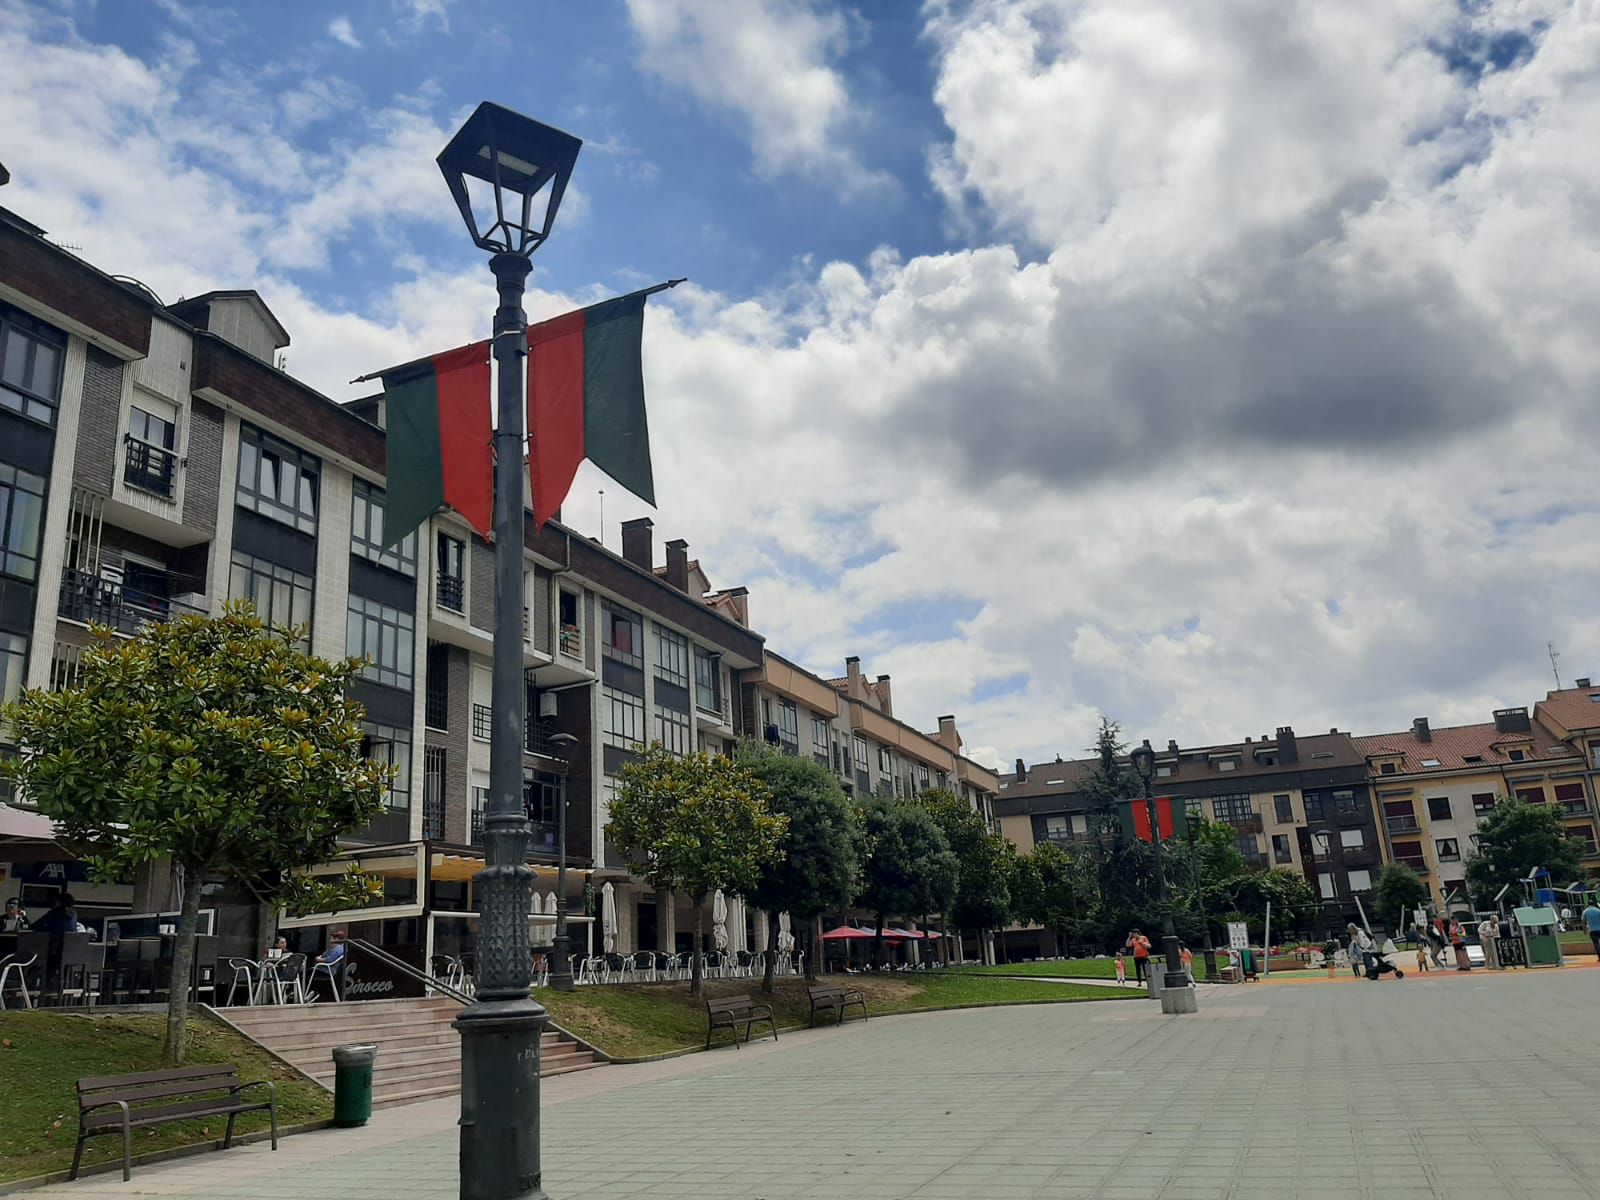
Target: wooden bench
{"x":835,"y":1000}
{"x":113,"y":1103}
{"x":734,"y":1013}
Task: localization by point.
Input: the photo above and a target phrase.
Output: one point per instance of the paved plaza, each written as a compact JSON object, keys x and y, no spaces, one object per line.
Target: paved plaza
{"x":1483,"y":1085}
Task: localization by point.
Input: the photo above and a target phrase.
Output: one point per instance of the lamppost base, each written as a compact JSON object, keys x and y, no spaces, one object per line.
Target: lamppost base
{"x":1176,"y":998}
{"x":500,"y":1099}
{"x":561,"y":964}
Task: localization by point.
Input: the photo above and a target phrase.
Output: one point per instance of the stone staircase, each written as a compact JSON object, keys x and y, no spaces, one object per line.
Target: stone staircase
{"x":419,"y":1054}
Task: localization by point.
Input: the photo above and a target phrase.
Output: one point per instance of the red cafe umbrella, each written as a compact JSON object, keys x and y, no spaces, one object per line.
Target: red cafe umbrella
{"x":847,"y":933}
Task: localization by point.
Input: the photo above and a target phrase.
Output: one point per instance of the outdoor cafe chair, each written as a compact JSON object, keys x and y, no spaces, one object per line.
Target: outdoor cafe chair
{"x":618,"y":968}
{"x":14,"y":966}
{"x":644,"y":965}
{"x":591,"y":970}
{"x":284,"y":980}
{"x":331,"y":970}
{"x":244,"y":972}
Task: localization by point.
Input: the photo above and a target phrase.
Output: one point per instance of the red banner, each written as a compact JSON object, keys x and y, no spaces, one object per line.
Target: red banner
{"x":1164,"y":818}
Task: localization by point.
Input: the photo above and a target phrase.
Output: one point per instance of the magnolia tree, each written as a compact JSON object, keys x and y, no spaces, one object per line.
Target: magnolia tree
{"x":985,"y":863}
{"x":695,"y":823}
{"x":215,"y":743}
{"x":909,"y":869}
{"x":819,"y":867}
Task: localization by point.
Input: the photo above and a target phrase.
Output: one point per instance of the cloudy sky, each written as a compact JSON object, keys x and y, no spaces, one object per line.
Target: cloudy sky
{"x":1212,"y":366}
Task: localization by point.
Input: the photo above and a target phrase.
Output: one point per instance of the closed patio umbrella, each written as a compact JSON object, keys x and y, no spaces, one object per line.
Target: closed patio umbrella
{"x":719,"y":920}
{"x":785,"y":936}
{"x":608,"y":917}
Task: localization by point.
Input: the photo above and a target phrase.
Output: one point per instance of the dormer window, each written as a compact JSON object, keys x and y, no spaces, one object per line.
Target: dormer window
{"x":1387,"y":768}
{"x":1227,"y":764}
{"x":1516,"y":755}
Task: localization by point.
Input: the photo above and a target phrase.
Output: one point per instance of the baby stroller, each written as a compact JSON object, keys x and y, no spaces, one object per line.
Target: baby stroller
{"x":1378,"y":965}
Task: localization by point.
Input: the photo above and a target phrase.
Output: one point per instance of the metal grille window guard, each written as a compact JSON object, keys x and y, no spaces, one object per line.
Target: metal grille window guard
{"x":450,"y":592}
{"x":150,"y":468}
{"x":433,"y":792}
{"x":482,"y":721}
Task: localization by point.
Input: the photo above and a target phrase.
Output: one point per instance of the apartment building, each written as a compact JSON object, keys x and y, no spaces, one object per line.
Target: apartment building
{"x":1298,"y":803}
{"x":1434,"y":786}
{"x":848,"y":725}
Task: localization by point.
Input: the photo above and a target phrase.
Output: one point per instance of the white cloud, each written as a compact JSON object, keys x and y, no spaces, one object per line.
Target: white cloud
{"x":774,"y":63}
{"x":341,"y":30}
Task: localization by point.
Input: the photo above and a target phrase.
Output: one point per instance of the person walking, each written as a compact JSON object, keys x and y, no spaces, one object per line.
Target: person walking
{"x":1489,"y":936}
{"x":1591,"y":920}
{"x":1186,"y":957}
{"x":1436,"y":942}
{"x":1360,"y":947}
{"x":1458,"y":942}
{"x":1140,"y":945}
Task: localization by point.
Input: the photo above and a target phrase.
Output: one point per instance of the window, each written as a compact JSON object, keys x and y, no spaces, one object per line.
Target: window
{"x":1472,"y":758}
{"x":672,"y":657}
{"x":1322,"y":754}
{"x":707,"y":682}
{"x":482,"y":722}
{"x":1313,"y":803}
{"x":672,"y":730}
{"x":1483,"y":802}
{"x":1584,"y":836}
{"x":391,"y":745}
{"x":151,"y":464}
{"x":383,"y":636}
{"x":1325,"y":885}
{"x":1194,"y":809}
{"x":277,"y":480}
{"x":922,"y":777}
{"x":1281,"y":853}
{"x":480,"y":807}
{"x":819,"y":739}
{"x":436,"y":686}
{"x":1320,"y":845}
{"x":1360,"y":881}
{"x":1430,"y":762}
{"x":282,"y":597}
{"x":1249,"y":848}
{"x":13,"y":668}
{"x":31,"y":356}
{"x":1387,"y":768}
{"x":1410,"y":853}
{"x":541,"y":796}
{"x":1344,"y":801}
{"x":1448,"y":849}
{"x":1227,"y":764}
{"x":1400,"y":816}
{"x":450,"y":586}
{"x":1531,"y":795}
{"x":885,"y":762}
{"x":366,"y":532}
{"x":1163,"y":772}
{"x":1232,"y":808}
{"x":1352,"y":839}
{"x":789,"y":726}
{"x":1572,"y":798}
{"x":623,"y":718}
{"x":571,"y":637}
{"x":1516,"y":755}
{"x":433,"y":792}
{"x":622,"y":635}
{"x":21,"y":516}
{"x":1438,"y":808}
{"x":1283,"y":809}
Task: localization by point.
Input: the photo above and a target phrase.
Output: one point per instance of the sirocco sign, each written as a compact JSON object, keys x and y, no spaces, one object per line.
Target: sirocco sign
{"x":368,"y":977}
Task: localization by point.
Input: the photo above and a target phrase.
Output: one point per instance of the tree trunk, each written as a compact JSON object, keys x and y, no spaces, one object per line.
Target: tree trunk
{"x":697,"y":973}
{"x":177,"y":1043}
{"x":877,"y":943}
{"x":814,"y":950}
{"x":771,"y":970}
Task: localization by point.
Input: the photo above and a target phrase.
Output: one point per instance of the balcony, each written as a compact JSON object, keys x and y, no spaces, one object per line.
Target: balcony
{"x":1574,"y":808}
{"x":1402,"y":825}
{"x":150,"y":468}
{"x":1244,"y":823}
{"x":450,"y":591}
{"x":571,"y":641}
{"x":714,"y":709}
{"x":109,"y":601}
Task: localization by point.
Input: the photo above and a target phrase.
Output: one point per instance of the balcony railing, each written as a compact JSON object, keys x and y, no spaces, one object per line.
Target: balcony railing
{"x":450,"y":592}
{"x":89,"y":597}
{"x":1402,"y":825}
{"x":150,"y":468}
{"x":1574,"y":808}
{"x":571,"y":642}
{"x":1419,"y":865}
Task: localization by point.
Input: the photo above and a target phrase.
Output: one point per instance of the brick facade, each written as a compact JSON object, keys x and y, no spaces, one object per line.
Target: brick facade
{"x":95,"y":465}
{"x":203,"y":470}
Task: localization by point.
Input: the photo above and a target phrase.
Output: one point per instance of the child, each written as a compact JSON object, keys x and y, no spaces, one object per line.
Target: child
{"x":1186,"y":957}
{"x":1422,"y":955}
{"x":1122,"y":969}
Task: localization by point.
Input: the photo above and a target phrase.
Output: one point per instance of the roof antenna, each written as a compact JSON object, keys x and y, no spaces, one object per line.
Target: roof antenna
{"x":602,"y":516}
{"x":1554,"y":670}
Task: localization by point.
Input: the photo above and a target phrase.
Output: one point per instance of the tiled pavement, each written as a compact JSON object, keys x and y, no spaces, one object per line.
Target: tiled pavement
{"x":1463,"y":1086}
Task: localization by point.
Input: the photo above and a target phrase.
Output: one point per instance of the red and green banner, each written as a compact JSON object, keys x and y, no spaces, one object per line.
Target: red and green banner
{"x":586,"y":400}
{"x":1171,"y":818}
{"x":440,"y":441}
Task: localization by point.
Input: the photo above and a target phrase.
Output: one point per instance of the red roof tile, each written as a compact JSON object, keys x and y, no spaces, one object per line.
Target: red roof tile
{"x":1451,"y":746}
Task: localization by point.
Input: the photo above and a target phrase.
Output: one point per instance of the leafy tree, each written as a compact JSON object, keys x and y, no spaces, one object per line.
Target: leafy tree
{"x":1514,"y":839}
{"x":819,"y":864}
{"x":1400,"y":890}
{"x":1110,"y":781}
{"x":216,"y":743}
{"x":1054,"y":888}
{"x":695,"y":823}
{"x":985,"y":861}
{"x":909,"y":868}
{"x":1248,"y":894}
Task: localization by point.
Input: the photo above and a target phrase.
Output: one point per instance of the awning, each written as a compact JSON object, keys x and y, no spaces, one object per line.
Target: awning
{"x":28,"y":837}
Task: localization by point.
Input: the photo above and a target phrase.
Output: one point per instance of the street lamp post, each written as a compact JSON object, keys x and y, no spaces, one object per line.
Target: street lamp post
{"x":1175,"y":982}
{"x":561,"y":948}
{"x":498,"y":166}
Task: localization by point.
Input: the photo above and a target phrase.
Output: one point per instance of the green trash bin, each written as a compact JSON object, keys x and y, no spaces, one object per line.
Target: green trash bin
{"x":352,"y":1084}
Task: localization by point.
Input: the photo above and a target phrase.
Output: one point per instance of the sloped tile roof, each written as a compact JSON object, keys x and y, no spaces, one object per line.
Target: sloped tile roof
{"x":1452,"y":745}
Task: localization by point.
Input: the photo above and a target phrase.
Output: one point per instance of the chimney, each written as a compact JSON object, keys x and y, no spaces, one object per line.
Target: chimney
{"x":1172,"y":745}
{"x":637,"y":544}
{"x":1512,"y":720}
{"x":854,"y":685}
{"x":678,"y":564}
{"x":1022,"y":771}
{"x":947,"y":736}
{"x":1582,"y":681}
{"x":885,"y":703}
{"x":1420,"y":730}
{"x":1288,"y":748}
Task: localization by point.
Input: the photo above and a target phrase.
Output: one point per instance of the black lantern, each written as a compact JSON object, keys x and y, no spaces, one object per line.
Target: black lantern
{"x":1144,"y":760}
{"x":501,"y":167}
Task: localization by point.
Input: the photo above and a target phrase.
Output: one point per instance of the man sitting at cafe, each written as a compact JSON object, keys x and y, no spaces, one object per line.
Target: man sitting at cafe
{"x":334,"y":954}
{"x":62,"y":917}
{"x":15,"y":920}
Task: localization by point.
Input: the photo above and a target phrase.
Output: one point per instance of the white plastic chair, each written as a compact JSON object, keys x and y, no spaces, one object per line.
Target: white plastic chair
{"x":244,"y":971}
{"x":331,"y":970}
{"x":12,"y":963}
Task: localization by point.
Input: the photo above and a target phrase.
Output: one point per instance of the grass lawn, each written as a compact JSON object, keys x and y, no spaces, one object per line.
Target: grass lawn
{"x":635,"y":1020}
{"x":44,"y":1054}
